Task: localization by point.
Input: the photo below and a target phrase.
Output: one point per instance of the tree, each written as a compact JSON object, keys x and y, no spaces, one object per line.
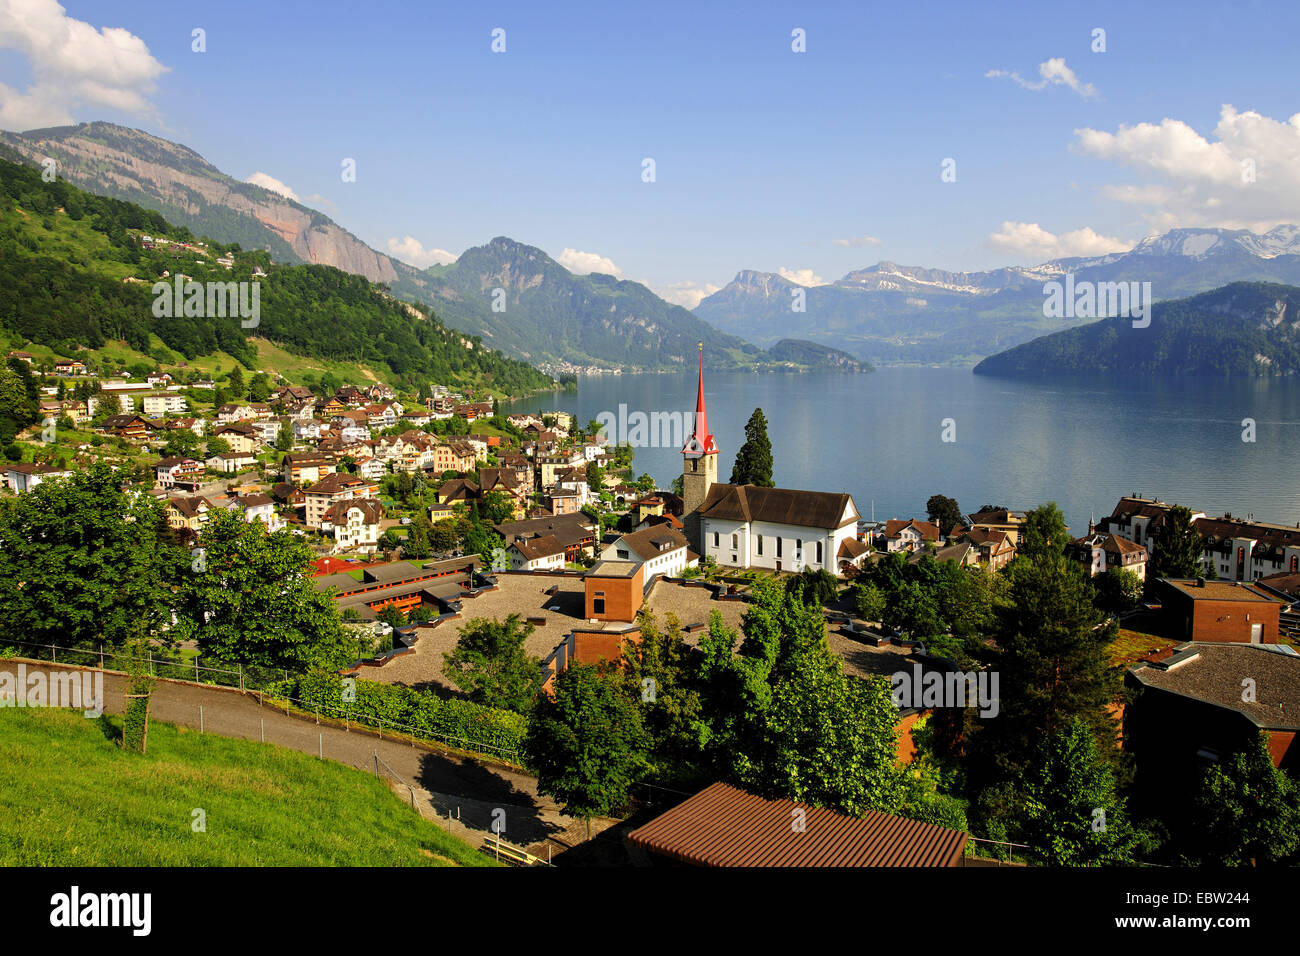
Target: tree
{"x":490,"y":665}
{"x":248,"y":598}
{"x":1043,"y":532}
{"x":284,"y":438}
{"x":1073,"y":815}
{"x":82,"y":562}
{"x":1118,"y":590}
{"x":659,"y":669}
{"x":181,"y":443}
{"x":945,"y":512}
{"x":1247,"y":812}
{"x":870,"y":601}
{"x":588,"y":745}
{"x":753,"y":464}
{"x":236,"y":380}
{"x":217,"y":446}
{"x":1179,"y":551}
{"x":814,"y":586}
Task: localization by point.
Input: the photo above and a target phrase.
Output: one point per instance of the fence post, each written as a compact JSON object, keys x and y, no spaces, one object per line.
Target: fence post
{"x":151,"y":673}
{"x":54,"y":654}
{"x":200,"y":718}
{"x":241,"y":676}
{"x":101,"y":657}
{"x":322,"y":747}
{"x":196,"y":670}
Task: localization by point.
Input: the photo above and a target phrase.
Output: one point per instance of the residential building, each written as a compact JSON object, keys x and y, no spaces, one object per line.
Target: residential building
{"x":231,"y":461}
{"x":909,"y":535}
{"x":170,"y":471}
{"x":241,"y":437}
{"x":306,"y":468}
{"x":354,"y":524}
{"x":663,"y":551}
{"x":545,"y":553}
{"x":156,"y":406}
{"x":187,"y":513}
{"x":22,"y":478}
{"x":1099,"y":552}
{"x":332,"y":489}
{"x":1220,"y":611}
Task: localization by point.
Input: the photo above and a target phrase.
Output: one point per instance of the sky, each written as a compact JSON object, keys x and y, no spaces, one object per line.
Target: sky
{"x":960,"y":136}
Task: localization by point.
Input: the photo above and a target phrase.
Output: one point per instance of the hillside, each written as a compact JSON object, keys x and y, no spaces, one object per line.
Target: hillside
{"x":896,"y":314}
{"x":552,"y":316}
{"x":265,"y":805}
{"x":1246,"y":328}
{"x":801,"y":352}
{"x":77,"y":271}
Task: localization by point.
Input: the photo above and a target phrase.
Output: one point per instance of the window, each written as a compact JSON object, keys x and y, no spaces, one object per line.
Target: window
{"x":760,"y":544}
{"x":715,"y":539}
{"x":778,"y":546}
{"x":598,"y":603}
{"x":735,"y":541}
{"x":819,"y":552}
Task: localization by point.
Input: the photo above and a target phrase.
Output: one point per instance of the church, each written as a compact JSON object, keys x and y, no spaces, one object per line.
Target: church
{"x":747,"y":526}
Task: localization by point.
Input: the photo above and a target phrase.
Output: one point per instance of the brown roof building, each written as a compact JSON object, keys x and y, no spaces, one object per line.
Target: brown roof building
{"x":725,"y":826}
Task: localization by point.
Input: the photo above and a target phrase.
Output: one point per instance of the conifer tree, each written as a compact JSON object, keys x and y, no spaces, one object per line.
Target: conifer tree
{"x":754,"y":460}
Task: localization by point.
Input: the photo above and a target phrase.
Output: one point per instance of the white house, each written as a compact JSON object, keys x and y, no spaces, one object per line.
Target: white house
{"x":23,"y":478}
{"x":261,"y":508}
{"x":156,"y":406}
{"x":354,"y":524}
{"x":662,"y":550}
{"x":537,"y":554}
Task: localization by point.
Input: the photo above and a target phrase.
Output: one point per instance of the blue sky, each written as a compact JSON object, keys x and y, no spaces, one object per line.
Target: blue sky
{"x":764,"y":157}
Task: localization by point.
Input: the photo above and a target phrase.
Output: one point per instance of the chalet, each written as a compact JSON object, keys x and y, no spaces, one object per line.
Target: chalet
{"x":130,"y":427}
{"x":171,"y":471}
{"x":329,"y":407}
{"x":230,"y":462}
{"x":187,"y":514}
{"x":662,"y":551}
{"x":241,"y":437}
{"x":576,"y":532}
{"x":306,"y":467}
{"x":350,"y":395}
{"x":544,"y":553}
{"x":379,"y":392}
{"x":1099,"y":552}
{"x":458,"y":491}
{"x":381,"y":415}
{"x":473,"y":411}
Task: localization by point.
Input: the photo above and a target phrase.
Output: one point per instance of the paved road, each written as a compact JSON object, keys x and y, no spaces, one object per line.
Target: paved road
{"x":469,"y":789}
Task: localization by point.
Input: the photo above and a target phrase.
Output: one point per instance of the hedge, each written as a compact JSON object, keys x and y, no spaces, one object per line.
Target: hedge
{"x":489,"y":730}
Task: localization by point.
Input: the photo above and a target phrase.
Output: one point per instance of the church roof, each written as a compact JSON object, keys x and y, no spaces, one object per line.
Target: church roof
{"x":803,"y":509}
{"x":701,"y":441}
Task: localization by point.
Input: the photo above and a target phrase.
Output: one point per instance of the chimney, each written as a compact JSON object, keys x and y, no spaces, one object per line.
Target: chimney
{"x":1200,"y":582}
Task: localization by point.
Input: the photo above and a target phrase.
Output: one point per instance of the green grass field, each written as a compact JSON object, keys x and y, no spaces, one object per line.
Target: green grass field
{"x":70,"y":796}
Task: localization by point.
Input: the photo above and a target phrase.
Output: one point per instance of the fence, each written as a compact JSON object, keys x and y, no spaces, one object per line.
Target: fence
{"x":263,"y":682}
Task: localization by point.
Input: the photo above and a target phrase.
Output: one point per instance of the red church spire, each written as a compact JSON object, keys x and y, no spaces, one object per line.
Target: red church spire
{"x":700,"y":442}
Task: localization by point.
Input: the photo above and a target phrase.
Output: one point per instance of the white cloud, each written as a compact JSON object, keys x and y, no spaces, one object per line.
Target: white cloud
{"x":801,"y":276}
{"x":1194,"y":180}
{"x":1032,"y":241}
{"x":857,"y":242}
{"x":686,"y":294}
{"x":73,"y":65}
{"x":273,"y":184}
{"x":581,"y":263}
{"x":411,"y":251}
{"x":1054,"y":72}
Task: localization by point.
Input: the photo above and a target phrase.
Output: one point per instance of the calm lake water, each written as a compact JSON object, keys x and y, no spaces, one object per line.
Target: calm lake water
{"x":1082,"y":444}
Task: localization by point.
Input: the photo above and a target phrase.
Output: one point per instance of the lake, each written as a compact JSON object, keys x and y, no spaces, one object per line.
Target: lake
{"x":880,"y":436}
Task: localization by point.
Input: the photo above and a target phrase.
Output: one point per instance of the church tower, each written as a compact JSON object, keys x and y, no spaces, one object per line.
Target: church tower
{"x":699,"y":468}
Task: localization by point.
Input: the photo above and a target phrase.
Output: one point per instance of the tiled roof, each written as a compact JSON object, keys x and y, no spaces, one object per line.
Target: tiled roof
{"x":804,"y":509}
{"x":1213,"y":672}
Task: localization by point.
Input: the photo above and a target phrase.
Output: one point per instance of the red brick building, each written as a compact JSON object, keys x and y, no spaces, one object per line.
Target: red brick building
{"x":1221,"y":611}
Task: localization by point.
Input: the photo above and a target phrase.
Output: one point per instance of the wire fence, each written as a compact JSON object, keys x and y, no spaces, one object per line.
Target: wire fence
{"x":265,"y":682}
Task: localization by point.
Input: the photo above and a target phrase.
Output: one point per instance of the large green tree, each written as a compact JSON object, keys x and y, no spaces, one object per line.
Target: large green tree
{"x":1044,"y":532}
{"x":82,"y":562}
{"x":945,"y":512}
{"x":1246,"y":813}
{"x":753,"y":464}
{"x":491,"y":666}
{"x":588,"y":744}
{"x":248,"y":598}
{"x":660,"y":671}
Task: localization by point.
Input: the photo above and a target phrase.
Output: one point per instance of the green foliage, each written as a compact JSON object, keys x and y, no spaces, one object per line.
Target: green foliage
{"x":1118,"y":590}
{"x":588,"y":745}
{"x":753,"y":465}
{"x":490,"y":665}
{"x":945,"y":512}
{"x":660,"y":668}
{"x":1044,"y":532}
{"x":1247,"y":812}
{"x":1179,"y":552}
{"x":814,"y":586}
{"x":247,"y":598}
{"x":462,"y":723}
{"x":1072,"y":813}
{"x":81,"y":562}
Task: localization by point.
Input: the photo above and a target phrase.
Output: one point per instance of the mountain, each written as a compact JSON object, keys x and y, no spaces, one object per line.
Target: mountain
{"x":800,"y":353}
{"x":551,"y":316}
{"x":76,"y":271}
{"x":1245,"y":328}
{"x":895,"y":314}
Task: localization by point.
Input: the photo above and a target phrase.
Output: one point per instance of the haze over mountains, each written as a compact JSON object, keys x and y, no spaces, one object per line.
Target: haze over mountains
{"x":550,"y":315}
{"x":889,"y":313}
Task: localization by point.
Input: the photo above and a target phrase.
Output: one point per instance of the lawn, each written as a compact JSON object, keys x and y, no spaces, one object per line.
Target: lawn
{"x":70,"y":796}
{"x":1131,"y":646}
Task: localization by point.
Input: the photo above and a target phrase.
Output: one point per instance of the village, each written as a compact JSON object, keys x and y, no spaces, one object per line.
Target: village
{"x":428,"y":515}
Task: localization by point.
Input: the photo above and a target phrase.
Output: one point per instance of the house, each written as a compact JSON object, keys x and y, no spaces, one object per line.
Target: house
{"x":267,"y":430}
{"x":22,"y":478}
{"x":22,"y":356}
{"x":231,"y":461}
{"x":351,"y":395}
{"x":130,"y":427}
{"x":910,"y":535}
{"x":381,"y":415}
{"x":662,"y":550}
{"x":998,"y":519}
{"x":258,"y":507}
{"x":379,"y":392}
{"x":67,"y":367}
{"x":354,"y":524}
{"x":563,"y":502}
{"x":577,"y":532}
{"x":450,"y":456}
{"x":241,"y":437}
{"x":187,"y":514}
{"x":1099,"y":552}
{"x":159,"y":379}
{"x":156,"y":406}
{"x":1191,"y":711}
{"x":259,"y":411}
{"x":230,"y":413}
{"x":306,"y":468}
{"x":725,"y":826}
{"x":169,"y":471}
{"x":308,"y":429}
{"x":332,"y":489}
{"x":473,"y":411}
{"x":329,"y":407}
{"x":372,"y":468}
{"x":1219,"y":611}
{"x":1248,"y":550}
{"x":992,"y":548}
{"x":416,"y":417}
{"x":544,"y":553}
